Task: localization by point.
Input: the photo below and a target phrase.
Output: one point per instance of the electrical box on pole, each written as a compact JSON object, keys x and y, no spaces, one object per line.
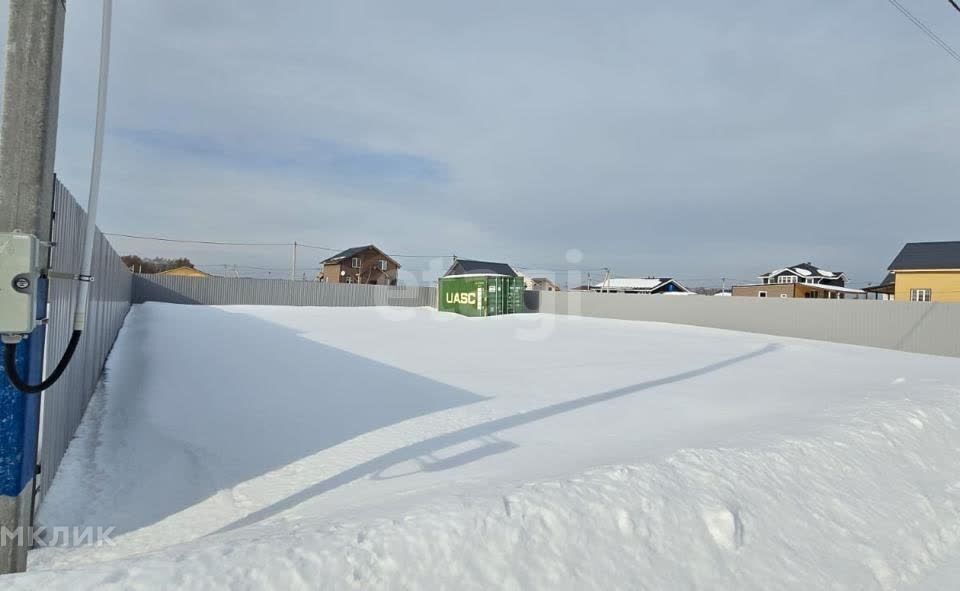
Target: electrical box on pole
{"x":19,"y":276}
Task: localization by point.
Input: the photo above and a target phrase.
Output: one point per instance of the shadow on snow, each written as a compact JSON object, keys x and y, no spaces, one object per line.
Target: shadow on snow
{"x":485,"y":432}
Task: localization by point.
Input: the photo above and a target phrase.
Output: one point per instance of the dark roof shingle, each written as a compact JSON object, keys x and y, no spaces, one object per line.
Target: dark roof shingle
{"x":927,"y":255}
{"x":352,"y":252}
{"x":888,"y":282}
{"x":467,"y":266}
{"x":346,"y":253}
{"x":811,"y":271}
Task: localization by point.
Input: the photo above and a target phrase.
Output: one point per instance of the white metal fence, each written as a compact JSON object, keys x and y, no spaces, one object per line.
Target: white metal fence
{"x":220,"y":291}
{"x":64,"y":404}
{"x":904,"y":326}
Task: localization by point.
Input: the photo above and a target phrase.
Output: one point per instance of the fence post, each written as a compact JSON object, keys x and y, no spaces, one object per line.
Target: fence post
{"x":27,"y":150}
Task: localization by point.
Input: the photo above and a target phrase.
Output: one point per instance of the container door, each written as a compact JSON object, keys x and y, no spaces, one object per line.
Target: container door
{"x":482,"y":298}
{"x":515,"y":303}
{"x":493,"y":293}
{"x":501,"y":295}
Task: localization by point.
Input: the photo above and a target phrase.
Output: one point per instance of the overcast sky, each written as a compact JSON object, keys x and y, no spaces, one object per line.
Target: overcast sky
{"x":695,"y":140}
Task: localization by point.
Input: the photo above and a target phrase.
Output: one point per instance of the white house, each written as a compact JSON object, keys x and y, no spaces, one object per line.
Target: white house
{"x":643,"y":286}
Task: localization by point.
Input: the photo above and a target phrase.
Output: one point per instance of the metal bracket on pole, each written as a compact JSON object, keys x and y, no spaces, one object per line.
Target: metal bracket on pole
{"x":61,"y":275}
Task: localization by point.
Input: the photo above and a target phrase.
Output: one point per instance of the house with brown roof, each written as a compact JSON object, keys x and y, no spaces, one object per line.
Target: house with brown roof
{"x":361,"y":264}
{"x":805,"y":280}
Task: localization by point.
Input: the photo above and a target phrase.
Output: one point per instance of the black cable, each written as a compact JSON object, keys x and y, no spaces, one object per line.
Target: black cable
{"x":926,"y":30}
{"x":10,"y":363}
{"x":213,"y":242}
{"x":954,"y":4}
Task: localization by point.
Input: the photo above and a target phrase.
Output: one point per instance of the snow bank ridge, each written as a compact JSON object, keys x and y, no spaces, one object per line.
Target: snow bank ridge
{"x":788,"y":515}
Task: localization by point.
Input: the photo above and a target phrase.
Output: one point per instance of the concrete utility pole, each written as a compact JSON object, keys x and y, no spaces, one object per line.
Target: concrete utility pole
{"x":28,"y":143}
{"x":293,"y":266}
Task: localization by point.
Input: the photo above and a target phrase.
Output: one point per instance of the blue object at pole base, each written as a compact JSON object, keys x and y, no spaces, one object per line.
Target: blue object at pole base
{"x":20,"y":413}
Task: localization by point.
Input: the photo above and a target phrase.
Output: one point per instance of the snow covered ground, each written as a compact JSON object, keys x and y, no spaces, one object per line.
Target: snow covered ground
{"x":305,"y":448}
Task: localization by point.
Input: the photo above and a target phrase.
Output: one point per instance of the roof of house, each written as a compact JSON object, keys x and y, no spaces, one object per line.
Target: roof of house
{"x":184,"y":270}
{"x":812,"y":286}
{"x":467,"y":266}
{"x":630,"y":283}
{"x":352,"y":252}
{"x":638,"y":284}
{"x":887,"y":281}
{"x":836,"y":288}
{"x":806,"y":270}
{"x":927,"y":255}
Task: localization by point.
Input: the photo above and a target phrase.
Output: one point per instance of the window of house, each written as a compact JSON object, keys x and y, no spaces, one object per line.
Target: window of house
{"x":762,"y":294}
{"x":784,"y":296}
{"x":348,"y":279}
{"x":787,"y":279}
{"x":382,"y":265}
{"x":921,"y":295}
{"x":355,"y":262}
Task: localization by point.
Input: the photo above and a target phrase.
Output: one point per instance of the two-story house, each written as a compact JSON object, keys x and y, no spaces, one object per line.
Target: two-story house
{"x":361,"y":264}
{"x":926,"y":272}
{"x":799,"y":281}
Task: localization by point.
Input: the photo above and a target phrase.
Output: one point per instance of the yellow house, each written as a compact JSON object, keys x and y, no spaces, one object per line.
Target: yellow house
{"x":184,"y":272}
{"x":927,"y":272}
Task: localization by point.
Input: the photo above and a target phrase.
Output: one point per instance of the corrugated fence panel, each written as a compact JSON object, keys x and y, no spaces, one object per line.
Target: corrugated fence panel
{"x":65,"y":403}
{"x":223,"y":291}
{"x":905,"y":326}
{"x":932,"y":328}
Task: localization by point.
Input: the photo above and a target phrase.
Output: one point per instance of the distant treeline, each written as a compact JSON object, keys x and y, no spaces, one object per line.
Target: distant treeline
{"x":154,"y":265}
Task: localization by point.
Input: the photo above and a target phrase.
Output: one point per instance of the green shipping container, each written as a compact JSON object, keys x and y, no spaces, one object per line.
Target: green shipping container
{"x":481,"y":295}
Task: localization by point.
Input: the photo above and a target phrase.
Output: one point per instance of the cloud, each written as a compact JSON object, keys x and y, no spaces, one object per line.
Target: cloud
{"x":701,"y":141}
{"x":306,"y":158}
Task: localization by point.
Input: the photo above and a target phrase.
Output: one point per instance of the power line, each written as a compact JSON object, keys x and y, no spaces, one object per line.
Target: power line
{"x":421,"y":256}
{"x":536,"y":268}
{"x":290,"y":244}
{"x":554,"y":270}
{"x":238,"y":266}
{"x":213,"y":242}
{"x":954,"y":4}
{"x":298,"y":245}
{"x":396,"y":256}
{"x":327,"y":248}
{"x":926,"y":30}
